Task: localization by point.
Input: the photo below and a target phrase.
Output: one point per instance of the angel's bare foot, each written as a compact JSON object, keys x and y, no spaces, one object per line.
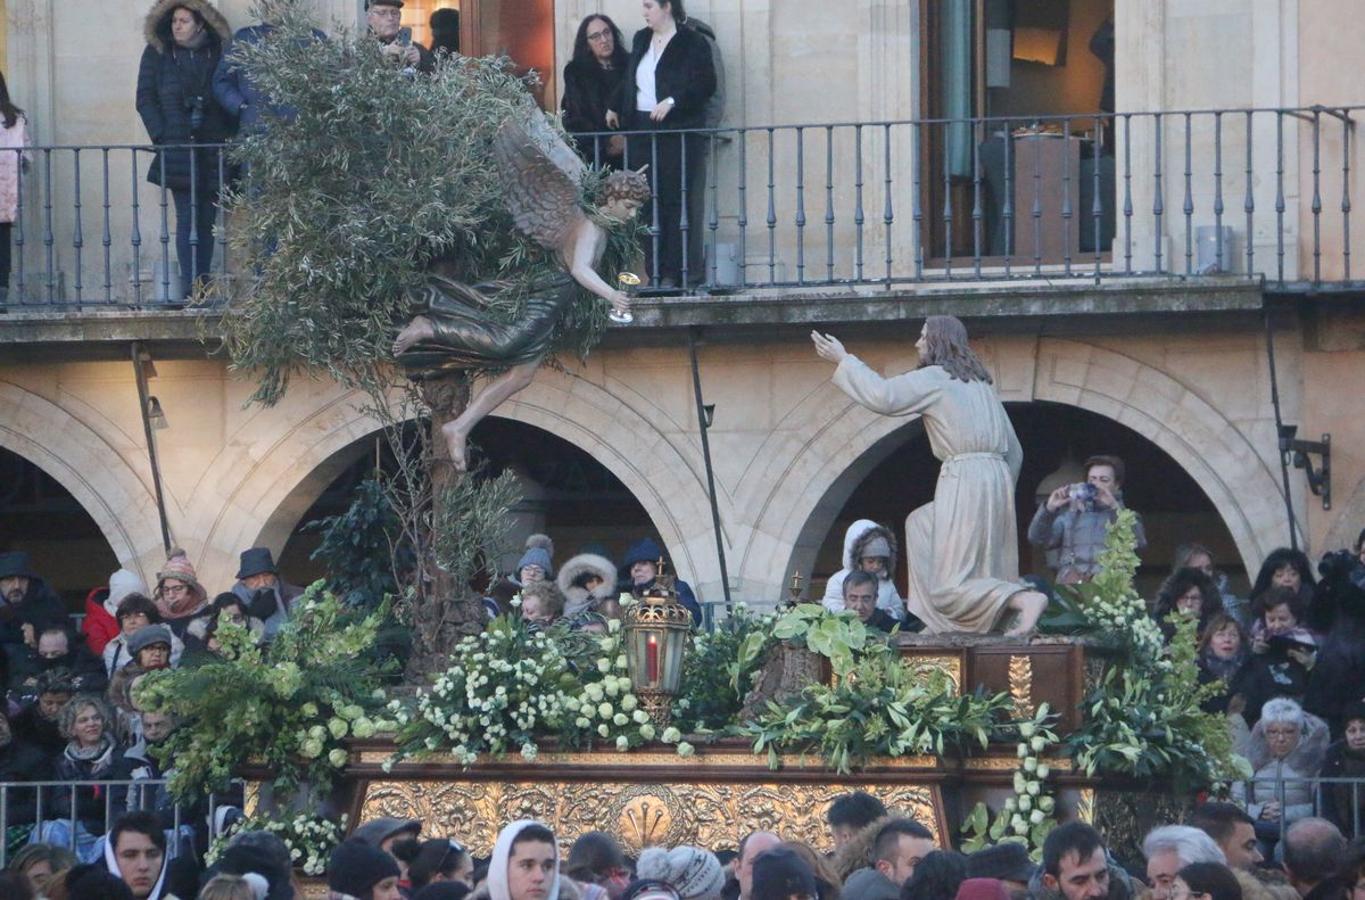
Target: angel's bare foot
{"x":455,"y":443}
{"x":418,"y":330}
{"x":1030,"y":606}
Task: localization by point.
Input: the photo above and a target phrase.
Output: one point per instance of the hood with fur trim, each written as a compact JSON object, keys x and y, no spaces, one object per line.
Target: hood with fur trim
{"x":577,"y":599}
{"x":156,"y":28}
{"x":859,"y":535}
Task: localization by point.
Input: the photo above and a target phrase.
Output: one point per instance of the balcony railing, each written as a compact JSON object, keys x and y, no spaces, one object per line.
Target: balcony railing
{"x":1267,"y":194}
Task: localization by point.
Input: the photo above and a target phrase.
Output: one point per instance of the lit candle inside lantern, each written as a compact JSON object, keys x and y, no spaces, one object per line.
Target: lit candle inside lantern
{"x":652,"y":658}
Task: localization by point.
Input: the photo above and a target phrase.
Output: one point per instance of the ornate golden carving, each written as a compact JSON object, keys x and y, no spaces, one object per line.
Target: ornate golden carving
{"x":708,"y":815}
{"x":1021,"y":686}
{"x":925,"y":663}
{"x":1085,"y":805}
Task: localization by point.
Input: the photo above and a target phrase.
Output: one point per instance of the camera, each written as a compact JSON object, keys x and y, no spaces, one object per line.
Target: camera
{"x":195,"y":104}
{"x":1083,"y":495}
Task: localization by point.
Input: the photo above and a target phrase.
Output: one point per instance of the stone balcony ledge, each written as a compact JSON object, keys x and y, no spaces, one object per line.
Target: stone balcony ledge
{"x":1061,"y":305}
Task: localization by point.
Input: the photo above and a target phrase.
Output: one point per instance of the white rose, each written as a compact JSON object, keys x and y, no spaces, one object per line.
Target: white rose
{"x":1038,"y":744}
{"x":620,"y":719}
{"x":686,"y":749}
{"x":1043,"y":771}
{"x":622,"y":744}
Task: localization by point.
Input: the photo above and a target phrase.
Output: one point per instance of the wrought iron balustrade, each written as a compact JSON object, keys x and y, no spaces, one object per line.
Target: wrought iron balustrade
{"x":1265,"y":194}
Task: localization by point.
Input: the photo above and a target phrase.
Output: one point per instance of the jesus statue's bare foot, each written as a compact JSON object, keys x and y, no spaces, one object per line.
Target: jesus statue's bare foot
{"x":455,"y":443}
{"x":418,"y":330}
{"x":1030,"y":606}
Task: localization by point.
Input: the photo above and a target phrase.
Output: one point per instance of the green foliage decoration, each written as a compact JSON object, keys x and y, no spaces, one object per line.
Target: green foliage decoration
{"x":878,"y":707}
{"x":361,"y":547}
{"x":719,"y":668}
{"x":372,"y":180}
{"x":288,"y":706}
{"x":1143,"y":717}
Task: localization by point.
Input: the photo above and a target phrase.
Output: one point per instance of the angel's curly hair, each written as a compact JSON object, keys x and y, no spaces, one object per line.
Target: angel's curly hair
{"x":625,"y":185}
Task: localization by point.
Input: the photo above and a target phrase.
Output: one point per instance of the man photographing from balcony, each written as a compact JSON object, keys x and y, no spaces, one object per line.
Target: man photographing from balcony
{"x":385,"y":19}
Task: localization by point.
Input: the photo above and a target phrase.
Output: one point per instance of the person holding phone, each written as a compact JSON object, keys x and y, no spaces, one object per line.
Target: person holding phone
{"x":385,"y":20}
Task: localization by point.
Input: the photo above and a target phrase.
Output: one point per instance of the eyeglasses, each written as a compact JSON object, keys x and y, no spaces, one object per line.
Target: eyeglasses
{"x":174,"y":588}
{"x":599,"y":35}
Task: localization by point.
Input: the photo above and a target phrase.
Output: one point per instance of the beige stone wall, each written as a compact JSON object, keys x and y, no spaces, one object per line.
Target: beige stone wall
{"x":784,"y":443}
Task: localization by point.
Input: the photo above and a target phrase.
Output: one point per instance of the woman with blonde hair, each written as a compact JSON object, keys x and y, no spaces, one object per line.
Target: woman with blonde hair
{"x":234,"y":887}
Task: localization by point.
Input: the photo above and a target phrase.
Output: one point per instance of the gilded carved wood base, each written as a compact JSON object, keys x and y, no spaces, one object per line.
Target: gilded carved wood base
{"x":642,"y":813}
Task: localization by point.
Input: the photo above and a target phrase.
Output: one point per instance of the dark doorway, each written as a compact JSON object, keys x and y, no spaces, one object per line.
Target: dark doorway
{"x":1174,"y":508}
{"x":39,"y":516}
{"x":567,"y":494}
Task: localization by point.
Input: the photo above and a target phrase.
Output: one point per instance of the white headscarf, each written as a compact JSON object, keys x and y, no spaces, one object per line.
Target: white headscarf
{"x":111,"y":860}
{"x":502,"y":854}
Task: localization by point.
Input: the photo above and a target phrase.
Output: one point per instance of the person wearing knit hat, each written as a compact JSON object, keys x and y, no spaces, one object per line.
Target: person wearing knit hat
{"x":694,"y":873}
{"x":179,"y":595}
{"x":357,"y":869}
{"x":780,"y":874}
{"x":536,"y":563}
{"x":150,"y":647}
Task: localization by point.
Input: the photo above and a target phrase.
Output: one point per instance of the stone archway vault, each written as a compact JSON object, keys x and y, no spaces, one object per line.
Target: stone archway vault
{"x":1215,"y":451}
{"x":277,"y":486}
{"x":114,"y":494}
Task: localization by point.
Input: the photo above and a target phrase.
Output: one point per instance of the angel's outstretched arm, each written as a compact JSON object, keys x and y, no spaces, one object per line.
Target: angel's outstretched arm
{"x":585,"y":237}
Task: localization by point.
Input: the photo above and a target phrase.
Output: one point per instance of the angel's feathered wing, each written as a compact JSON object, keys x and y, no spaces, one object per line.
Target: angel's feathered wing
{"x":540,"y":177}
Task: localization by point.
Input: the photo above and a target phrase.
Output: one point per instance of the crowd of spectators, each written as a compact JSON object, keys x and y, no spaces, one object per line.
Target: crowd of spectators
{"x":877,"y":854}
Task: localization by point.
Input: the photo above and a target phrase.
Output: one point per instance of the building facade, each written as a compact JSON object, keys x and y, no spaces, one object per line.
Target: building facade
{"x":1124,"y":274}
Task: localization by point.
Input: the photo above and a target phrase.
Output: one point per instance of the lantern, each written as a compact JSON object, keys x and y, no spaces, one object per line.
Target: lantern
{"x":656,"y":629}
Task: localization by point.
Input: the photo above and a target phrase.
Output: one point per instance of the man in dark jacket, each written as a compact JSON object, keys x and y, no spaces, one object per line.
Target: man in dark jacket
{"x":1076,"y":866}
{"x":25,"y":602}
{"x":57,"y":648}
{"x":266,"y":595}
{"x":641,"y":567}
{"x":21,"y":761}
{"x":860,"y":596}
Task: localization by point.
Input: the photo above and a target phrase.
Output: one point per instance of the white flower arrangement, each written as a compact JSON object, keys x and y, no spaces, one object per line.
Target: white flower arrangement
{"x":1027,"y":817}
{"x":310,"y":839}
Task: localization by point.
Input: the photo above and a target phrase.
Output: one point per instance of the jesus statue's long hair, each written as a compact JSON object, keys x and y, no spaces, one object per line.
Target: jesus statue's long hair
{"x":945,"y":339}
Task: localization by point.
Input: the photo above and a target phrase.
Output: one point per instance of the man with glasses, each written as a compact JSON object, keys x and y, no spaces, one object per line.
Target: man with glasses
{"x":385,"y":20}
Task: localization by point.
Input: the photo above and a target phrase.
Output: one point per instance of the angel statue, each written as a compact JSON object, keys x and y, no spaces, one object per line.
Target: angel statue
{"x":541,"y":179}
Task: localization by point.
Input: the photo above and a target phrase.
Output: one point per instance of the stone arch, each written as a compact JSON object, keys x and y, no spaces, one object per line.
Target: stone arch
{"x":278,"y":485}
{"x":1216,"y":452}
{"x":1350,"y":519}
{"x":90,"y":468}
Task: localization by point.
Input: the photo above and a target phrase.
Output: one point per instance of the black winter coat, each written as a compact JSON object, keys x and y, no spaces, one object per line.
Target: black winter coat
{"x":92,"y":801}
{"x":175,"y":99}
{"x":685,"y":72}
{"x":589,"y":91}
{"x":40,"y":606}
{"x":21,"y":761}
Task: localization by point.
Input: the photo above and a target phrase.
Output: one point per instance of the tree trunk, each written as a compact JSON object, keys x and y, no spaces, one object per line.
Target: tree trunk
{"x":444,"y":611}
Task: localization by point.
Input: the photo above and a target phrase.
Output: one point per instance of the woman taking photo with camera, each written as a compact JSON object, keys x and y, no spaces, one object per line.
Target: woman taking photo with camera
{"x":669,"y":78}
{"x":185,"y":40}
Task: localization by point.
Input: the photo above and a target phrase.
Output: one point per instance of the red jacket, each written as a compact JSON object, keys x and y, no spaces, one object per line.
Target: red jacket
{"x":99,"y":627}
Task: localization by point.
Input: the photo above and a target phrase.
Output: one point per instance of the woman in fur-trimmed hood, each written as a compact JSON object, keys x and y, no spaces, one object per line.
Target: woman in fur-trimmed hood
{"x":185,"y":41}
{"x":588,"y":583}
{"x":865,"y":539}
